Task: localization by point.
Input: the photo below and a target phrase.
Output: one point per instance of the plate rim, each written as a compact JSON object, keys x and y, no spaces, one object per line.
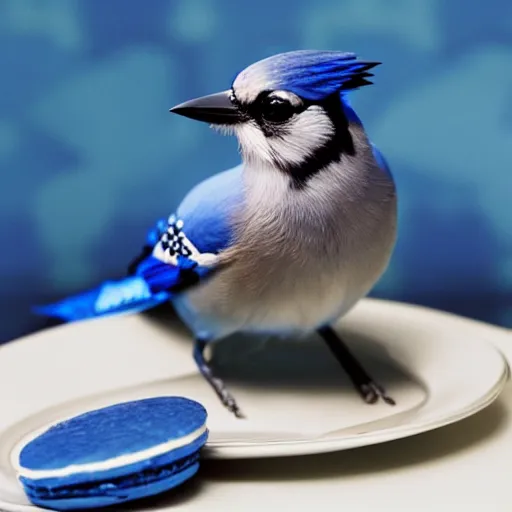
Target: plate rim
{"x":238,"y":449}
{"x":351,"y":441}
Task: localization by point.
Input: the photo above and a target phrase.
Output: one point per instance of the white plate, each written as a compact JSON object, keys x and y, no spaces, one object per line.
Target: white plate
{"x":296,"y":398}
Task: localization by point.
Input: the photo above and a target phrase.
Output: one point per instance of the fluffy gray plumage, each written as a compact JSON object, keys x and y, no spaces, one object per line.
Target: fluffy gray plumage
{"x":305,"y":255}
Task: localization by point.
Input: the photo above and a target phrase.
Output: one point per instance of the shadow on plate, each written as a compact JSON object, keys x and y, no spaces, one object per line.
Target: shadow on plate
{"x":299,"y":363}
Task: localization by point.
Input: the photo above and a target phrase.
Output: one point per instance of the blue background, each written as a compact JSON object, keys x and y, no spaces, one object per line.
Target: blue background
{"x":90,"y":156}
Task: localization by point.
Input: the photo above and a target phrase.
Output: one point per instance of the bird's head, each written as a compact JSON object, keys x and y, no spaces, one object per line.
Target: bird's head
{"x":287,"y":109}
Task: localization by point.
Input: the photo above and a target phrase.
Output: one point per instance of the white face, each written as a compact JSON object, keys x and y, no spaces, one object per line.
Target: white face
{"x":279,"y":129}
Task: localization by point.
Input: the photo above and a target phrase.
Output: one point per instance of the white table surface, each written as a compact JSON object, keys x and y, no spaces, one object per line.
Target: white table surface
{"x":465,"y":466}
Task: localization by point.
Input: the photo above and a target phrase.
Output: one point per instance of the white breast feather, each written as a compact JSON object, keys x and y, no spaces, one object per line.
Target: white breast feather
{"x":303,"y":258}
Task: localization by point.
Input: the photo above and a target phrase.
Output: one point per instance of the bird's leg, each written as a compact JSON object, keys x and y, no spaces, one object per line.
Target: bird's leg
{"x":364,"y":384}
{"x":218,"y":386}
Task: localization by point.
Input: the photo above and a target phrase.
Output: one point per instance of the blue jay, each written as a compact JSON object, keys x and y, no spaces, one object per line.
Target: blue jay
{"x":288,"y":241}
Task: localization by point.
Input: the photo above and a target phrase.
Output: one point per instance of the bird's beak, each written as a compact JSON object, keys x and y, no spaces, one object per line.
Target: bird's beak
{"x":214,"y":109}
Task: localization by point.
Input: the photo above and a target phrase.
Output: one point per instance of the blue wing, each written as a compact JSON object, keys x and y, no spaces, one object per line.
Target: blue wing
{"x":202,"y":219}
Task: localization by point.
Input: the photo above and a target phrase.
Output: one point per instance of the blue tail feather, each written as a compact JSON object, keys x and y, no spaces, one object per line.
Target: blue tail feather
{"x":129,"y":295}
{"x":153,"y":283}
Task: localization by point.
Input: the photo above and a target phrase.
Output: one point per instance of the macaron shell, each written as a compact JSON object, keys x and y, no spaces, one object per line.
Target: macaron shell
{"x":122,"y":474}
{"x":113,"y":455}
{"x":130,"y":494}
{"x":111,"y":432}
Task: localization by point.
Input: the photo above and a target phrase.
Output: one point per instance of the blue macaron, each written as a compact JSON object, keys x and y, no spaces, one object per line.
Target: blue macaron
{"x":112,"y":455}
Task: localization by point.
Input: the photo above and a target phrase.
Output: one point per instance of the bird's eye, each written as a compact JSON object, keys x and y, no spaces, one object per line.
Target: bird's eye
{"x":276,"y":108}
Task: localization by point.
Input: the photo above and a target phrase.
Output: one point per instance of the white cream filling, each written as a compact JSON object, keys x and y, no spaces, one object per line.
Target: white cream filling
{"x":115,"y":462}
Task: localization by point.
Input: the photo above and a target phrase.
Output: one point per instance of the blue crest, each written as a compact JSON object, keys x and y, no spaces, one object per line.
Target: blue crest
{"x":314,"y":75}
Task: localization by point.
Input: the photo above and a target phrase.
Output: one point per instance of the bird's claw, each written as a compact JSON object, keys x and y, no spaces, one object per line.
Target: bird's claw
{"x":372,"y":392}
{"x":228,"y":400}
{"x":232,"y":406}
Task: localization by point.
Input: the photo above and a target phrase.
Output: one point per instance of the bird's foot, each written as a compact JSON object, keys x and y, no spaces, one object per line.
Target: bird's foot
{"x":372,"y":392}
{"x":227,"y":399}
{"x":217,"y":384}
